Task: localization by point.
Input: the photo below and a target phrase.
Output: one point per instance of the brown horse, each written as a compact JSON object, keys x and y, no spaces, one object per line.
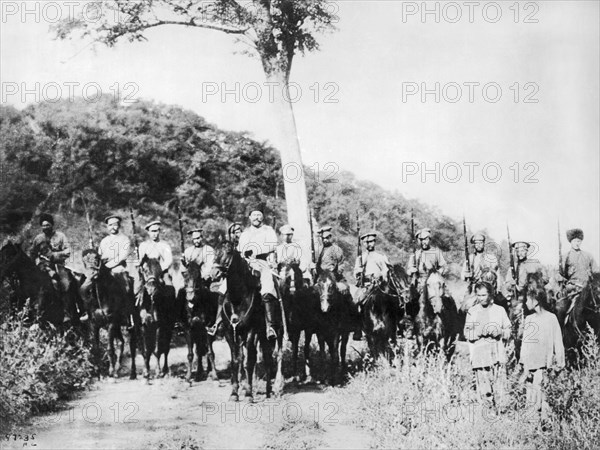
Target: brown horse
{"x":575,"y":312}
{"x":244,"y":322}
{"x":45,"y":304}
{"x":198,"y":307}
{"x":109,"y":305}
{"x":157,"y":313}
{"x":437,"y":323}
{"x":336,"y":322}
{"x":301,"y":304}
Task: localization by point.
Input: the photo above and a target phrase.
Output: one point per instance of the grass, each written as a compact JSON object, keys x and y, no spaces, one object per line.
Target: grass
{"x":426,"y":403}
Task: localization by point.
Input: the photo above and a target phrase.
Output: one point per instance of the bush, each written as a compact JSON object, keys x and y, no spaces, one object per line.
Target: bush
{"x":427,"y":403}
{"x":40,"y":368}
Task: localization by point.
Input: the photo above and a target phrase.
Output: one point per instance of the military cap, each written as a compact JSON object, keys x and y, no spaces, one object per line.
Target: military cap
{"x":519,"y":243}
{"x":286,"y":229}
{"x":154,"y":222}
{"x":195,"y":230}
{"x":575,"y":233}
{"x":423,"y":233}
{"x":45,"y":217}
{"x":477,"y":237}
{"x":258,"y":206}
{"x":112,"y":216}
{"x":366,"y":235}
{"x":324,"y":229}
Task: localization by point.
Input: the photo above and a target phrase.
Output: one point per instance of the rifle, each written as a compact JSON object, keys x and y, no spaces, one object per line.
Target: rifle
{"x":513,"y":269}
{"x":560,"y":258}
{"x":182,"y":241}
{"x":87,"y":219}
{"x":312,"y":241}
{"x":359,"y":251}
{"x":467,"y":253}
{"x":414,"y":244}
{"x":135,"y":244}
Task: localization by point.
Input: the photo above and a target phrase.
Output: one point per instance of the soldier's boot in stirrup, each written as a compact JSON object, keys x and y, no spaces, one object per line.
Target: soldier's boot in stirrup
{"x":269,"y":304}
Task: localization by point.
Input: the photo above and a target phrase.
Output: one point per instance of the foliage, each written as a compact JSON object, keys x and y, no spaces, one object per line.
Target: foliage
{"x":155,"y":156}
{"x":40,"y":368}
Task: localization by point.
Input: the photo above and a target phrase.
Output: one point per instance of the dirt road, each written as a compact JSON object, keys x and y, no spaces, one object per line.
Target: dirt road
{"x":170,"y":413}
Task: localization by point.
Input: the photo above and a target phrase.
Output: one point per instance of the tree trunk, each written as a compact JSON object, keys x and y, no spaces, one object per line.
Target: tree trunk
{"x":286,"y":140}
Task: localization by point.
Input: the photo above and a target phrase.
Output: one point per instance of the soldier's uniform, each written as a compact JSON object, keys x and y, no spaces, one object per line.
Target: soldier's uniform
{"x":114,"y":250}
{"x":479,"y":262}
{"x":159,"y":250}
{"x":50,"y":251}
{"x":579,"y":265}
{"x":525,"y":267}
{"x":371,"y":267}
{"x":202,"y":255}
{"x":425,"y":261}
{"x":331,"y":258}
{"x":290,"y":252}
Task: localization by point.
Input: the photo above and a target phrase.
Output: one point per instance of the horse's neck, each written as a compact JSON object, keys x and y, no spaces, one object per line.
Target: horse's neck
{"x":27,"y":271}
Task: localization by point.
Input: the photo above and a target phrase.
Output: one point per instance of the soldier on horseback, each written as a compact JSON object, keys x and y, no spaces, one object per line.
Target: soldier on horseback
{"x":290,"y":251}
{"x":331,"y":258}
{"x":114,"y":250}
{"x":202,"y":255}
{"x":524,"y":267}
{"x":579,"y":265}
{"x":50,"y":250}
{"x":371,"y":268}
{"x":257,"y":244}
{"x":425,"y":260}
{"x":480,"y":262}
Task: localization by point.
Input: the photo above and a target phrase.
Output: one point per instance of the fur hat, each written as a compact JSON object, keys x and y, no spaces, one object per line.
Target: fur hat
{"x":45,"y":217}
{"x":575,"y":233}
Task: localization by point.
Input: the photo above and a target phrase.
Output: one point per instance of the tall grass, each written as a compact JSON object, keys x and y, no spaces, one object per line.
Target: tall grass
{"x":424,"y":402}
{"x":40,"y":368}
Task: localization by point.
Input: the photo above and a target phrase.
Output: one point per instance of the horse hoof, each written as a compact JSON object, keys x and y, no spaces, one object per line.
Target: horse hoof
{"x":132,"y":376}
{"x":234,"y":398}
{"x":308,"y":380}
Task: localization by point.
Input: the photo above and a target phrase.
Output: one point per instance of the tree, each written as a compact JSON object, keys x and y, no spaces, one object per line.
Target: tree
{"x":274,"y":30}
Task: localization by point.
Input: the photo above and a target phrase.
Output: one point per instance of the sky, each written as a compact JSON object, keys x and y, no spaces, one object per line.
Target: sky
{"x":490,"y":109}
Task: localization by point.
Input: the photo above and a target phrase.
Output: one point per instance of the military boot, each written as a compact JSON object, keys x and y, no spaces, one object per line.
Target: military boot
{"x":269,"y":303}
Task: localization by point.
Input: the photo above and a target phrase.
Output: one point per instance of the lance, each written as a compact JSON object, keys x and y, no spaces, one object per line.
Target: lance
{"x":181,"y":240}
{"x":467,"y":251}
{"x":560,"y":258}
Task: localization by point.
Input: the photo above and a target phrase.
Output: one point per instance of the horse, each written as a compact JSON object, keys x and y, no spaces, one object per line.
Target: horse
{"x":301,"y":306}
{"x":157,"y":313}
{"x":244,"y":322}
{"x":575,"y":312}
{"x":45,"y":305}
{"x":109,"y":305}
{"x":198,"y":306}
{"x":437,"y":321}
{"x":336,"y":321}
{"x":380,"y":314}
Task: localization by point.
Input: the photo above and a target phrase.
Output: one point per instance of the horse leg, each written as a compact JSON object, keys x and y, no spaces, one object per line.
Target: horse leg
{"x":250,"y":362}
{"x":111,"y":349}
{"x":132,"y":350}
{"x":343,"y":344}
{"x":278,"y":387}
{"x":307,"y":339}
{"x":233,"y":347}
{"x":294,"y":338}
{"x":210,"y":359}
{"x":190,"y":353}
{"x":199,"y":344}
{"x":333,"y":352}
{"x":121,"y":349}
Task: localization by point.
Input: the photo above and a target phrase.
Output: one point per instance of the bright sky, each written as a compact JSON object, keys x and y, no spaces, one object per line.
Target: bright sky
{"x":375,"y":68}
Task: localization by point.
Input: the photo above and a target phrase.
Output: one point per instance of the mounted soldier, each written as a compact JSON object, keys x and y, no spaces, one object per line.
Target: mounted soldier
{"x":371,"y":268}
{"x":50,"y":250}
{"x":290,"y":252}
{"x":579,"y":265}
{"x":202,"y":254}
{"x":331,"y":258}
{"x":114,"y":251}
{"x":425,"y":260}
{"x":257,"y":245}
{"x":234,"y":232}
{"x":524,"y":267}
{"x":480,"y":263}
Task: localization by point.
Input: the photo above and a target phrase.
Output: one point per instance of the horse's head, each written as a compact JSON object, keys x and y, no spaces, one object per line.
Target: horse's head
{"x":152,"y":273}
{"x":290,"y":277}
{"x":10,"y":254}
{"x":436,"y":287}
{"x":224,"y":255}
{"x":326,"y":287}
{"x":192,"y":278}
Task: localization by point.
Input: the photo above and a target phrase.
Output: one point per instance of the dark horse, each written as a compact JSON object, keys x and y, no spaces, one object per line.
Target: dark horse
{"x":437,"y":322}
{"x":157,"y":314}
{"x":198,"y":306}
{"x":302,"y":310}
{"x":111,"y":306}
{"x":575,"y":313}
{"x":244,"y":321}
{"x":46,"y":305}
{"x":336,"y":321}
{"x":380,"y":313}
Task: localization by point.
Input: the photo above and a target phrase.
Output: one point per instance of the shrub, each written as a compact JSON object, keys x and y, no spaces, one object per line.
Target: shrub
{"x":40,"y":369}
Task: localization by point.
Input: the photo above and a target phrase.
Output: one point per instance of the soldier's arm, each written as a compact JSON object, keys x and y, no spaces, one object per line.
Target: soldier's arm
{"x":167,"y":257}
{"x":209,"y":261}
{"x":443,"y":265}
{"x":357,"y":267}
{"x":465,"y":275}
